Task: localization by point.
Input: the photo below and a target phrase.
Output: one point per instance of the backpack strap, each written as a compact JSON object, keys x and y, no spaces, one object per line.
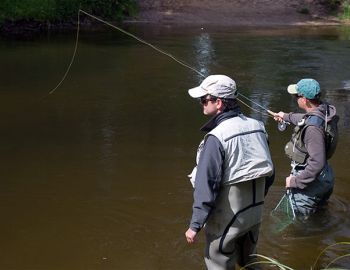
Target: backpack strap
{"x":315,"y":120}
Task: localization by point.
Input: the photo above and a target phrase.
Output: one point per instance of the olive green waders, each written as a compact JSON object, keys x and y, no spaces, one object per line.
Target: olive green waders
{"x":232,"y":228}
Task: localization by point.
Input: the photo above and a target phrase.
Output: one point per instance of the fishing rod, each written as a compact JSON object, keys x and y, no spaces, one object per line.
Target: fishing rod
{"x":281,"y":125}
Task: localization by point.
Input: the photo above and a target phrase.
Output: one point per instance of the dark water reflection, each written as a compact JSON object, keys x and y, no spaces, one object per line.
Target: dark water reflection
{"x":94,"y":175}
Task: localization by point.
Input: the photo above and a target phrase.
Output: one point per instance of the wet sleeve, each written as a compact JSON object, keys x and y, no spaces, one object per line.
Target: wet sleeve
{"x":207,"y":184}
{"x":314,"y":140}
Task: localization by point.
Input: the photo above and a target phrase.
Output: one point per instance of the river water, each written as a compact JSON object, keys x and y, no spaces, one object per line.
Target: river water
{"x":93,"y":176}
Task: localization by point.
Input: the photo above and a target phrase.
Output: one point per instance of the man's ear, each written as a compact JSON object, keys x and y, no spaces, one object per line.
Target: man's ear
{"x":307,"y":103}
{"x":219,"y":104}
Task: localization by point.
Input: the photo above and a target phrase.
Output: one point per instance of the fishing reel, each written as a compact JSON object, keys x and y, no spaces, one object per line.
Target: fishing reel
{"x":282,"y":126}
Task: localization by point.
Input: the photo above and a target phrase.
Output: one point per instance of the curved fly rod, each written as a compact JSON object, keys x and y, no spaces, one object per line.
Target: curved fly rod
{"x":269,"y":113}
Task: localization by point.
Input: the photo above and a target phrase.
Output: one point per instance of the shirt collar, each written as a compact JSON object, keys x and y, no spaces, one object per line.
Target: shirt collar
{"x":217,"y":119}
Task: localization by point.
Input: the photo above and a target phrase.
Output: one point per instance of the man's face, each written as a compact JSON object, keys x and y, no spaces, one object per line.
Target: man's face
{"x":210,"y":105}
{"x":301,"y":101}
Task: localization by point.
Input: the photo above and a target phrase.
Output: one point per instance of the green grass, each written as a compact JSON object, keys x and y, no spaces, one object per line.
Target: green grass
{"x":63,"y":10}
{"x":346,"y":11}
{"x":272,"y":262}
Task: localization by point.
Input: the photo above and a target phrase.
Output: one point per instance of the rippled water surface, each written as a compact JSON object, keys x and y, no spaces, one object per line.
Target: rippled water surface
{"x":93,"y":176}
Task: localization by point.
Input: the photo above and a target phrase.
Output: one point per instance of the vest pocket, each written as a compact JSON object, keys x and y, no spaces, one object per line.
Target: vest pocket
{"x":295,"y":154}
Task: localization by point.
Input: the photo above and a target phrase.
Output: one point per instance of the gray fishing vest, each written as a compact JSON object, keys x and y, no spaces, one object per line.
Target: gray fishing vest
{"x":247,"y":154}
{"x":295,"y":149}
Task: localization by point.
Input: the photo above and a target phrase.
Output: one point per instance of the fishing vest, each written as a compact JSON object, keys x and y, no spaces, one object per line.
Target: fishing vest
{"x":295,"y":149}
{"x":247,"y":154}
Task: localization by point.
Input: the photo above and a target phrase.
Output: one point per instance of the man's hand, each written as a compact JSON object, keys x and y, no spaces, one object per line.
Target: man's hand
{"x":278,"y":116}
{"x":288,"y":179}
{"x":190,"y":236}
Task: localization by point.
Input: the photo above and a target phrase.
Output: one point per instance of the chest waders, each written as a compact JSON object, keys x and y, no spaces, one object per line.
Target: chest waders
{"x":306,"y":201}
{"x":233,"y":227}
{"x":254,"y":203}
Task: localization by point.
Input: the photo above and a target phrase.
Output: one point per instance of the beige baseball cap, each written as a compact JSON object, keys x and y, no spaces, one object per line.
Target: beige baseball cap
{"x":220,"y":86}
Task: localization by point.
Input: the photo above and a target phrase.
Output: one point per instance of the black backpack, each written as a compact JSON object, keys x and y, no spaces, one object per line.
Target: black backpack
{"x":331,"y":131}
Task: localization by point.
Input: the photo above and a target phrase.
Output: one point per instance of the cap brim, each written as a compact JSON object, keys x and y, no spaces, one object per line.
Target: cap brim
{"x":292,"y":89}
{"x":197,"y":92}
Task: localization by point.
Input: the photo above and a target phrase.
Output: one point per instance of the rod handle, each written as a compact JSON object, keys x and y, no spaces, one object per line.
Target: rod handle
{"x":271,"y":112}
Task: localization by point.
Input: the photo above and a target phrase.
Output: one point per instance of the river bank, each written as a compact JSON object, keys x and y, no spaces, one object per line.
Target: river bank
{"x":237,"y":12}
{"x":202,"y":13}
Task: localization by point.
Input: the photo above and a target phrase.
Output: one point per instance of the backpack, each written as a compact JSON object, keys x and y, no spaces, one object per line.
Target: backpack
{"x":331,"y":132}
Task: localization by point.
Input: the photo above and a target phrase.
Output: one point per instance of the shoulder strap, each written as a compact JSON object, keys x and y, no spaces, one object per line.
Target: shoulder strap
{"x":311,"y":120}
{"x":315,"y":120}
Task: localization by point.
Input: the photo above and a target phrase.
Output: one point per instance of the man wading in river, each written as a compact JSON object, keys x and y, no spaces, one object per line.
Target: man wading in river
{"x":229,"y":181}
{"x":313,"y":142}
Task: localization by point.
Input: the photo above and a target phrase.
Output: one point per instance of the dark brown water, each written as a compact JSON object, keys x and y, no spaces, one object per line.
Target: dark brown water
{"x":94,"y":175}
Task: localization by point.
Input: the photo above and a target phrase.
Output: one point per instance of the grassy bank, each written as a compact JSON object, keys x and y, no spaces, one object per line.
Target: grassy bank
{"x":345,"y":14}
{"x":60,"y":10}
{"x":27,"y":16}
{"x":341,"y":7}
{"x":36,"y":15}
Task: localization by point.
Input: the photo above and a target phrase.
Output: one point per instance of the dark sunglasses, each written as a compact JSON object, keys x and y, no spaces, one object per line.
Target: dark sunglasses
{"x":298,"y":96}
{"x":204,"y":101}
